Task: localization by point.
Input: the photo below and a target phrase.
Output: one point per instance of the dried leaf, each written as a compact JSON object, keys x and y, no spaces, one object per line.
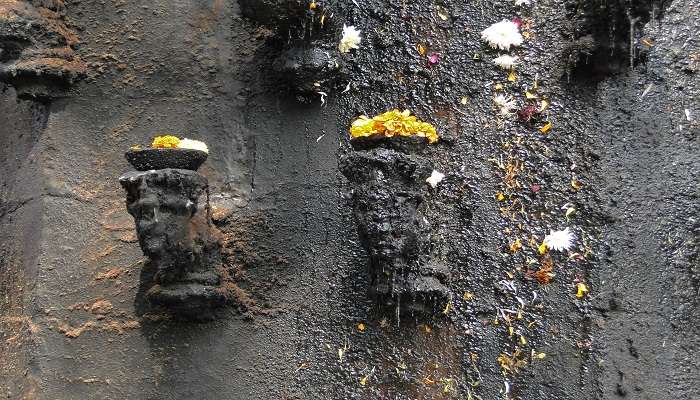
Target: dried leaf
{"x":543,"y":275}
{"x":576,"y":185}
{"x":514,"y":247}
{"x":511,"y":76}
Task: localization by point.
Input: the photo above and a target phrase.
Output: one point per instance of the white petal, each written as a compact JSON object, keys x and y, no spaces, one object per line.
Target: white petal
{"x":435,"y":178}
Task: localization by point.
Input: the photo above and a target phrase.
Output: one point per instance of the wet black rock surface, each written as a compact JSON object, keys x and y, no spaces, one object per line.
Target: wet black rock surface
{"x":37,"y":49}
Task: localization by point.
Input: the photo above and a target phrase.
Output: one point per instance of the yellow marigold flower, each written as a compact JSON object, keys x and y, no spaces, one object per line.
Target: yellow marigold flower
{"x":165,"y":142}
{"x":393,"y":123}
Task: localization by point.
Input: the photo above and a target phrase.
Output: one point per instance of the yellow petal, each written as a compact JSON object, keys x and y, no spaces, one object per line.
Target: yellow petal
{"x":542,"y":248}
{"x":581,"y":289}
{"x":546,"y":128}
{"x":511,"y":76}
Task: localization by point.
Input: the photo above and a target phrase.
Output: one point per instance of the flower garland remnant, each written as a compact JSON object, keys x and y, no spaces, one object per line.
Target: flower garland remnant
{"x":393,"y":123}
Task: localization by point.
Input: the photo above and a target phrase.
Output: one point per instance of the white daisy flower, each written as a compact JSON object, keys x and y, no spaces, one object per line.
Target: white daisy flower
{"x":351,"y":39}
{"x":559,"y":240}
{"x":193,"y":144}
{"x":435,"y":178}
{"x":505,"y":104}
{"x":522,"y":2}
{"x":502,"y":35}
{"x":506,"y":61}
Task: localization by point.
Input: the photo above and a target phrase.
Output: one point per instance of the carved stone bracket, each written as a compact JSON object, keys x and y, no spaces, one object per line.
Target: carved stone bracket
{"x":171,"y":211}
{"x":307,"y":59}
{"x":388,"y":201}
{"x":37,"y":48}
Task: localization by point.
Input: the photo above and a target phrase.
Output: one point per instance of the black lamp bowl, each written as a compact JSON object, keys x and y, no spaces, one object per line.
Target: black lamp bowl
{"x":403,"y":144}
{"x":150,"y":158}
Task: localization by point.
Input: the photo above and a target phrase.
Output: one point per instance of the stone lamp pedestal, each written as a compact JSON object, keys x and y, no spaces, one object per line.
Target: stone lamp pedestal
{"x":388,"y":179}
{"x":171,"y":211}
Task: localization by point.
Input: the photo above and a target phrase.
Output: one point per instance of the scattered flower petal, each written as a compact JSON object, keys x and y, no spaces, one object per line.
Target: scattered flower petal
{"x":559,"y":240}
{"x":433,"y":59}
{"x":502,"y":35}
{"x":526,"y":113}
{"x":505,"y":61}
{"x":505,"y":104}
{"x":581,"y":289}
{"x":546,"y":128}
{"x":435,"y":178}
{"x":351,"y":39}
{"x":323,"y":97}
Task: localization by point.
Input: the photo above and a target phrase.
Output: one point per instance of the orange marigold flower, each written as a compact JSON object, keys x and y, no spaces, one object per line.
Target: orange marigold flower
{"x":393,"y":123}
{"x":165,"y":142}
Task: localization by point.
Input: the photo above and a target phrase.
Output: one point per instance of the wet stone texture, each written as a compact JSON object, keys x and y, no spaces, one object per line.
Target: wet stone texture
{"x":388,"y":196}
{"x":171,"y":211}
{"x":37,"y":48}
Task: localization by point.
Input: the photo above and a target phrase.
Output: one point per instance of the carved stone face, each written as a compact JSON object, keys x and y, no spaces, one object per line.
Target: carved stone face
{"x":163,"y":203}
{"x":163,"y":224}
